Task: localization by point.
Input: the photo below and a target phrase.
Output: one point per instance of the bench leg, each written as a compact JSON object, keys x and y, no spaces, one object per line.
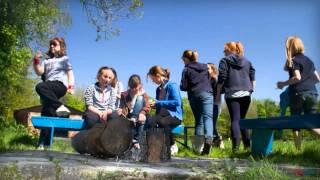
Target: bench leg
{"x":262,"y":140}
{"x":51,"y":137}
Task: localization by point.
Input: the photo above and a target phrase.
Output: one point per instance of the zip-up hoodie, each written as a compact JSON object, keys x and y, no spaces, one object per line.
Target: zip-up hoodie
{"x":195,"y":78}
{"x":236,"y":73}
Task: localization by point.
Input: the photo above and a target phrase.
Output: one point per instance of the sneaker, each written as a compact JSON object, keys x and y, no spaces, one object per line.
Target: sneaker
{"x":40,"y":147}
{"x":174,"y":149}
{"x":63,"y":111}
{"x":206,"y":149}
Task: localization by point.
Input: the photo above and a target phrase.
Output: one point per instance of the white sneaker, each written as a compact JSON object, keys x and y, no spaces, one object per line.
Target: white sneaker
{"x":174,"y":149}
{"x":63,"y":111}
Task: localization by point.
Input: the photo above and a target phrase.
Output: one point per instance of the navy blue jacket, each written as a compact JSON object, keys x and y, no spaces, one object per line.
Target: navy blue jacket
{"x":306,"y":68}
{"x":236,"y":73}
{"x":195,"y":78}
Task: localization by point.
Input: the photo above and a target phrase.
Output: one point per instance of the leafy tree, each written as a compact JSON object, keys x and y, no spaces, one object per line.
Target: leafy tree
{"x":103,"y":13}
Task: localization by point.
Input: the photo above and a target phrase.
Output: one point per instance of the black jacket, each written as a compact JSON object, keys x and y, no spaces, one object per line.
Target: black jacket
{"x":236,"y":73}
{"x":195,"y":78}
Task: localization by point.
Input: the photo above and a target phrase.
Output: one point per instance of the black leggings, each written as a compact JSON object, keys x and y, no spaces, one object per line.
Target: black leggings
{"x":164,"y":120}
{"x":238,"y":108}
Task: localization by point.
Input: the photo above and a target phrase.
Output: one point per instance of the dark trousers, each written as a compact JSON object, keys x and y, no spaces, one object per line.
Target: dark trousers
{"x":164,"y":120}
{"x":238,"y":108}
{"x":90,"y":119}
{"x":50,"y":92}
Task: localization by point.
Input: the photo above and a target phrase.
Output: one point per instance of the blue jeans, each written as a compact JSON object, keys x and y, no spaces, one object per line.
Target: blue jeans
{"x":202,"y":104}
{"x":138,"y":129}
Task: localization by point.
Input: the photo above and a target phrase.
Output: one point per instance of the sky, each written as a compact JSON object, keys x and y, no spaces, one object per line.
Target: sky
{"x":168,"y":27}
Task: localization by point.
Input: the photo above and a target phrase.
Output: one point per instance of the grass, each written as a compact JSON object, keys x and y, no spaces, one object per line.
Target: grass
{"x":283,"y":152}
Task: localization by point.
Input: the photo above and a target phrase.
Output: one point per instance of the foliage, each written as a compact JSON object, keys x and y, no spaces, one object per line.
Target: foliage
{"x":103,"y":13}
{"x":76,"y":100}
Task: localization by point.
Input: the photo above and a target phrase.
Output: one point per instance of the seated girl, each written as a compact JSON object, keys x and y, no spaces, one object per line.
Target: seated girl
{"x":100,"y":98}
{"x":134,"y":105}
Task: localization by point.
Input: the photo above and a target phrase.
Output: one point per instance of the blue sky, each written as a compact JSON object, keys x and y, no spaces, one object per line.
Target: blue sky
{"x":169,"y":27}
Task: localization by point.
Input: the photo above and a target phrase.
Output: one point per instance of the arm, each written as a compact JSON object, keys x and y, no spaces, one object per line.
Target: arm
{"x":317,"y":77}
{"x":174,"y":92}
{"x":294,"y":79}
{"x":218,"y":95}
{"x":39,"y":70}
{"x":184,"y":80}
{"x":252,"y":73}
{"x":70,"y":81}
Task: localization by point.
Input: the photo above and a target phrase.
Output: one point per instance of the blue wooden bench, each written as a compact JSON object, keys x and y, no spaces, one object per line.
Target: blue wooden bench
{"x":262,"y":129}
{"x":42,"y":122}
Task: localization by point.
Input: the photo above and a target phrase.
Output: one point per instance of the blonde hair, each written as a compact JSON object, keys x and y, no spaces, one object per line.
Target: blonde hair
{"x":214,"y":72}
{"x":294,"y":45}
{"x":234,"y":47}
{"x":159,"y":71}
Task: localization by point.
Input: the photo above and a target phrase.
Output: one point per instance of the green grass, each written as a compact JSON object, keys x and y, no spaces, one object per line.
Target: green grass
{"x":283,"y":152}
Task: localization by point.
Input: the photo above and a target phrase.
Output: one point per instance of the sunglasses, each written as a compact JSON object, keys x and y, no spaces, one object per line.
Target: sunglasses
{"x":54,"y":44}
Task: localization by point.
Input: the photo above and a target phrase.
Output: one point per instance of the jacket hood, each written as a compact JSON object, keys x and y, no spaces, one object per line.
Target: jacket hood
{"x":235,"y":60}
{"x":199,"y":67}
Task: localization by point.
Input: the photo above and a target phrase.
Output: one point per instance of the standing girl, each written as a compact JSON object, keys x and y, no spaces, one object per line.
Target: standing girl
{"x":196,"y":81}
{"x":302,"y":82}
{"x":100,"y":98}
{"x":217,"y":139}
{"x":57,"y":76}
{"x":168,"y":104}
{"x":237,"y":80}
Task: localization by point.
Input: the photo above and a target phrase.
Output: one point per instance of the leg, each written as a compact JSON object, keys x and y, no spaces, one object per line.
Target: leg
{"x":296,"y":107}
{"x":234,"y":111}
{"x":197,"y":115}
{"x":310,"y":107}
{"x":244,"y":106}
{"x":206,"y":114}
{"x":137,"y":107}
{"x":90,"y":119}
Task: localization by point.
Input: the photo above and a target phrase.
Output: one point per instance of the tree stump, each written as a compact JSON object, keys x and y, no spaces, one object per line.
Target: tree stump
{"x":108,"y":140}
{"x":158,"y":145}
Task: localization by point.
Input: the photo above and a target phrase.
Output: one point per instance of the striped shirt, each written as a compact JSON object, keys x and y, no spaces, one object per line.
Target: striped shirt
{"x":102,"y":100}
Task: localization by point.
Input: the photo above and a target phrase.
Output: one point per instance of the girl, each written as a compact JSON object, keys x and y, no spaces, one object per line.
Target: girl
{"x":118,"y":88}
{"x":57,"y":76}
{"x":217,"y":139}
{"x":196,"y":81}
{"x":134,"y":105}
{"x":168,"y":104}
{"x":100,"y":98}
{"x":237,"y":77}
{"x":302,"y":80}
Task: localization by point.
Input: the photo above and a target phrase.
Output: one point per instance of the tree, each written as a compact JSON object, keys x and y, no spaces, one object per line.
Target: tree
{"x":102,"y":14}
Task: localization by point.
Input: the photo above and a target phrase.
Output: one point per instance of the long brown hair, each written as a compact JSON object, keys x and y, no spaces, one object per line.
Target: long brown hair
{"x":63,"y":47}
{"x":294,"y":45}
{"x":214,"y":72}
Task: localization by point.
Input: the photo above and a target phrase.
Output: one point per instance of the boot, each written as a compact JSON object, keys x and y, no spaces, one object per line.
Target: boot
{"x":207,"y":146}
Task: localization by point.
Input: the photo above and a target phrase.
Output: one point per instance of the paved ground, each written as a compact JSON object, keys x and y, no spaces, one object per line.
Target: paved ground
{"x":55,"y":165}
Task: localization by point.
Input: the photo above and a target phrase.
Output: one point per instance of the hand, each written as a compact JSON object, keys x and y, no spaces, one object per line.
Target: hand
{"x":104,"y":117}
{"x":280,"y":84}
{"x":142,"y":117}
{"x":152,"y":105}
{"x":119,"y":111}
{"x":70,"y":89}
{"x":38,"y":55}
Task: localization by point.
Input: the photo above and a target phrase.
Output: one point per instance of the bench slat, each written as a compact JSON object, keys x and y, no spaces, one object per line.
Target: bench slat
{"x":289,"y":122}
{"x":56,"y":122}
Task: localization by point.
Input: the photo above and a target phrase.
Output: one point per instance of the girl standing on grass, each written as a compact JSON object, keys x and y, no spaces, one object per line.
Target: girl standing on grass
{"x":57,"y":75}
{"x":134,"y":105}
{"x":302,"y":81}
{"x":217,"y":139}
{"x":196,"y":81}
{"x":237,"y":80}
{"x":100,"y":98}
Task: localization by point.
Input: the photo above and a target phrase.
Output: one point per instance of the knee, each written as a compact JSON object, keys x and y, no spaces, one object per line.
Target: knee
{"x":40,"y":87}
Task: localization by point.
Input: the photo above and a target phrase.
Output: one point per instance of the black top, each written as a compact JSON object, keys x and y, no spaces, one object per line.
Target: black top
{"x":236,"y":73}
{"x":195,"y":78}
{"x":306,"y":68}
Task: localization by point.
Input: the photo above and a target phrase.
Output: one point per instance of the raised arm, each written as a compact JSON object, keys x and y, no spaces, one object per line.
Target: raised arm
{"x":38,"y":69}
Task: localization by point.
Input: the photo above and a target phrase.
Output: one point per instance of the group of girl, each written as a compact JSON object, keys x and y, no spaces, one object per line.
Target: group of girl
{"x":204,"y":84}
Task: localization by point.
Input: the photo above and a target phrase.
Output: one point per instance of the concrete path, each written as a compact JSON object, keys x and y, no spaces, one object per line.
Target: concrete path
{"x":56,"y":165}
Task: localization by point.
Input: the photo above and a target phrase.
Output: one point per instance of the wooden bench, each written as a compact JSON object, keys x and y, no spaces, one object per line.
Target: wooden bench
{"x":262,"y":129}
{"x":43,"y":122}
